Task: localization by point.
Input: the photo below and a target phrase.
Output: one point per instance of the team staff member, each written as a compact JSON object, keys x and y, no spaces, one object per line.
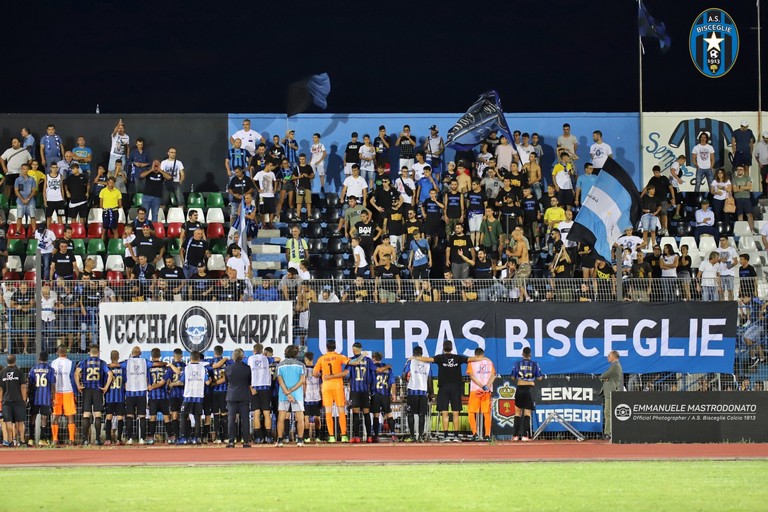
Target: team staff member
{"x":13,"y":395}
{"x":64,"y":402}
{"x":41,"y":388}
{"x":330,"y":367}
{"x":481,"y":374}
{"x":93,"y":378}
{"x":238,"y":376}
{"x":613,"y":380}
{"x":527,"y":372}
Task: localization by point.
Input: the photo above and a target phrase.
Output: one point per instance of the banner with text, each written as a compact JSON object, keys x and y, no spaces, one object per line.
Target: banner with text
{"x":573,"y":338}
{"x":193,"y":326}
{"x":576,"y":399}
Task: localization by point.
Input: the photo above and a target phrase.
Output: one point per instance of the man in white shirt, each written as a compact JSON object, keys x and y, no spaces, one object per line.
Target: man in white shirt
{"x":265,"y":182}
{"x":761,"y":156}
{"x":676,"y":179}
{"x":434,"y":147}
{"x":317,"y":161}
{"x":406,"y":186}
{"x":704,"y":155}
{"x":504,"y":154}
{"x":568,"y":142}
{"x":599,"y":152}
{"x":565,"y":227}
{"x":705,"y":222}
{"x":175,"y":168}
{"x":11,"y":161}
{"x":729,"y":261}
{"x":708,"y":278}
{"x":119,"y":149}
{"x":355,"y":185}
{"x":250,"y":138}
{"x":525,"y":150}
{"x":632,"y":242}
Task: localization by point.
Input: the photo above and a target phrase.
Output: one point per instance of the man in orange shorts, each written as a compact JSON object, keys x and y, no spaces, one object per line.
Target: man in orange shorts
{"x":330,"y":366}
{"x":64,"y":401}
{"x":481,"y":374}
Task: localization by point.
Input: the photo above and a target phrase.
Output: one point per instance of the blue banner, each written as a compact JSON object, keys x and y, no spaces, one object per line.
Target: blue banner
{"x":688,"y":337}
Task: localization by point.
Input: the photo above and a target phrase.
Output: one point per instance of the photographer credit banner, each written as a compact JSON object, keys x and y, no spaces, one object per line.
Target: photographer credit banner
{"x":193,"y":326}
{"x":574,"y":338}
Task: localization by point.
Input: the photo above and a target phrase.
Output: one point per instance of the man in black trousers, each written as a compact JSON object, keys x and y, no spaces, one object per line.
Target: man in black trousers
{"x":238,"y":377}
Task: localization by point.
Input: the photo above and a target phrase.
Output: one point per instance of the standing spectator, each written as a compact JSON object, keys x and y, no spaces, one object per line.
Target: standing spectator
{"x":368,"y":160}
{"x":460,"y":253}
{"x":65,"y":164}
{"x":565,"y":142}
{"x":407,"y":144}
{"x":148,"y":246}
{"x":454,"y":208}
{"x":319,"y":154}
{"x":705,"y":222}
{"x":121,"y":179}
{"x":194,"y":253}
{"x":741,"y":185}
{"x":266,"y":185}
{"x":599,"y":152}
{"x":287,"y":184}
{"x":761,"y":156}
{"x":111,"y":202}
{"x":51,"y":146}
{"x":238,"y":376}
{"x":747,"y":277}
{"x":237,"y":156}
{"x":154,"y":178}
{"x":237,"y":187}
{"x":175,"y":169}
{"x":668,"y":263}
{"x":352,"y":154}
{"x":291,"y":379}
{"x":650,"y":207}
{"x":381,"y":143}
{"x":120,"y":144}
{"x":476,"y":202}
{"x":260,"y":160}
{"x":433,"y":213}
{"x":355,"y":185}
{"x":360,"y":260}
{"x":721,"y":189}
{"x":504,"y":154}
{"x":53,"y":195}
{"x":562,"y":176}
{"x":388,"y":281}
{"x":250,"y":138}
{"x":99,"y":183}
{"x":704,"y":154}
{"x":742,"y":145}
{"x":613,"y":380}
{"x":585,"y":182}
{"x":303,"y":176}
{"x":291,"y":148}
{"x":138,"y":162}
{"x":665,"y":194}
{"x":276,"y":152}
{"x":25,"y":188}
{"x":296,"y":248}
{"x":406,"y":187}
{"x":424,"y":185}
{"x":45,"y":240}
{"x":28,"y":142}
{"x":64,"y":401}
{"x":708,"y":278}
{"x":22,"y":304}
{"x":83,"y":155}
{"x":728,"y":259}
{"x":13,"y":395}
{"x":434,"y":147}
{"x":11,"y":161}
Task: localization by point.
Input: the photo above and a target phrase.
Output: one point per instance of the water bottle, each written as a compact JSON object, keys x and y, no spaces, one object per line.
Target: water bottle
{"x":192,"y":188}
{"x":97,"y":109}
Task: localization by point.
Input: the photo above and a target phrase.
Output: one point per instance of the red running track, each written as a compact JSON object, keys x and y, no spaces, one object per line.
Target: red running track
{"x":376,"y":454}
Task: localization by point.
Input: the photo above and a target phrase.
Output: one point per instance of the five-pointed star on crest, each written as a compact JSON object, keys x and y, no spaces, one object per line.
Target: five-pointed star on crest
{"x":713,"y":42}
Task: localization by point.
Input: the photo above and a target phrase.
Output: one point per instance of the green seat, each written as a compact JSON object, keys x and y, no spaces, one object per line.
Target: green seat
{"x":96,"y":246}
{"x":195,"y":200}
{"x":219,"y":246}
{"x":116,"y":246}
{"x":3,"y":202}
{"x":16,"y":246}
{"x":32,"y":247}
{"x":174,"y":246}
{"x":137,"y":198}
{"x":215,"y":200}
{"x":79,"y":244}
{"x":172,"y":200}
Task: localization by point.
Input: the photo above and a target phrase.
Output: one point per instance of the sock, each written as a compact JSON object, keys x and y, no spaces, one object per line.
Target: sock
{"x":151,"y":426}
{"x":55,"y":432}
{"x":376,"y":425}
{"x":108,"y":425}
{"x":217,"y":425}
{"x":86,"y":428}
{"x":411,"y":425}
{"x":143,"y":428}
{"x":391,"y":424}
{"x":97,"y":423}
{"x":353,"y":424}
{"x":472,"y":422}
{"x":120,"y":426}
{"x":175,"y":427}
{"x":197,"y":428}
{"x":342,"y":421}
{"x":422,"y":423}
{"x":367,"y":422}
{"x":206,"y":431}
{"x":72,"y":430}
{"x":167,"y":428}
{"x":129,"y":427}
{"x":517,"y":426}
{"x":487,"y":423}
{"x":329,"y":422}
{"x":184,"y":427}
{"x":527,"y":426}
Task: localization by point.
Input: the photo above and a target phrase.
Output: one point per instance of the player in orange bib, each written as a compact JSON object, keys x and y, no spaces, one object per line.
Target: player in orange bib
{"x":331,"y":367}
{"x":481,"y":374}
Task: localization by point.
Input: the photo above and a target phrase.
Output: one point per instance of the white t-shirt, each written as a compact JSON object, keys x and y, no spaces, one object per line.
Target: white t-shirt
{"x":172,"y":167}
{"x":504,"y":156}
{"x":708,"y":273}
{"x":266,"y":183}
{"x":418,"y":171}
{"x":239,"y":265}
{"x":565,"y":227}
{"x":367,"y":152}
{"x":702,"y":152}
{"x":128,"y":240}
{"x":563,"y":179}
{"x":599,"y":154}
{"x":14,"y":158}
{"x":45,"y":241}
{"x":630,"y":242}
{"x":120,"y":144}
{"x":355,"y":186}
{"x":54,"y":188}
{"x":722,"y":189}
{"x":249,"y":138}
{"x":525,"y":153}
{"x":400,"y":186}
{"x":730,"y":254}
{"x":317,"y":151}
{"x":675,"y":170}
{"x":64,"y":369}
{"x":358,"y":251}
{"x":669,"y":272}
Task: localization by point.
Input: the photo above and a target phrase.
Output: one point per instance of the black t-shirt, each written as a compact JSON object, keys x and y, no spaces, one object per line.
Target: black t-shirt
{"x":189,"y":229}
{"x":653,"y":261}
{"x":366,"y":232}
{"x":463,"y":242}
{"x":649,"y":203}
{"x":530,"y":210}
{"x":276,"y":154}
{"x":146,"y":246}
{"x":194,"y":251}
{"x":170,"y":273}
{"x":641,"y":270}
{"x":143,"y":273}
{"x":387,"y":273}
{"x":352,"y":153}
{"x":482,"y":269}
{"x":20,"y":298}
{"x":385,"y":198}
{"x":77,"y":185}
{"x":91,"y":296}
{"x":231,"y":291}
{"x":64,"y":264}
{"x":406,"y":148}
{"x":69,"y":242}
{"x":661,"y":184}
{"x":410,"y":227}
{"x":395,"y":220}
{"x":11,"y":379}
{"x":240,"y":186}
{"x":476,"y":202}
{"x":304,"y":182}
{"x":449,"y":368}
{"x":153,"y":184}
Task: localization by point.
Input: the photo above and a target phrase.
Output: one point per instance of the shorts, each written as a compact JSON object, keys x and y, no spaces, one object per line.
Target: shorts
{"x":312,"y":409}
{"x":26,"y":209}
{"x":524,"y":398}
{"x":319,"y":169}
{"x":208,"y":404}
{"x":588,"y":261}
{"x":664,"y":208}
{"x":43,"y":410}
{"x":348,"y":169}
{"x":219,"y":402}
{"x":754,"y":332}
{"x":160,"y":405}
{"x":136,"y":405}
{"x":743,"y":206}
{"x":726,"y":282}
{"x":742,"y":158}
{"x":449,"y":395}
{"x":475,"y":219}
{"x":268,"y":206}
{"x":174,"y":403}
{"x":359,"y":399}
{"x":109,"y":218}
{"x":334,"y":395}
{"x":14,"y":412}
{"x":381,"y":404}
{"x":285,"y":405}
{"x":55,"y":206}
{"x":22,"y":321}
{"x":479,"y":401}
{"x":417,"y":404}
{"x":64,"y":404}
{"x":192,"y":408}
{"x":420,"y":272}
{"x":262,"y":400}
{"x":288,"y":186}
{"x":115,"y":409}
{"x":303,"y":195}
{"x":93,"y":400}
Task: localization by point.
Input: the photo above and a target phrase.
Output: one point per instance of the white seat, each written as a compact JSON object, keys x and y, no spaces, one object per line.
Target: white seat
{"x":215,"y":215}
{"x":115,"y":262}
{"x":121,"y":216}
{"x":132,"y":214}
{"x":671,"y":241}
{"x":160,"y":216}
{"x":216,"y":262}
{"x":759,"y":225}
{"x":79,"y":261}
{"x":706,"y":245}
{"x":99,"y":262}
{"x":40,"y":215}
{"x":175,"y":215}
{"x":741,"y":228}
{"x":695,"y":259}
{"x":747,"y":243}
{"x":29,"y":264}
{"x":200,"y":215}
{"x":14,"y":263}
{"x":691,"y":243}
{"x":95,"y":215}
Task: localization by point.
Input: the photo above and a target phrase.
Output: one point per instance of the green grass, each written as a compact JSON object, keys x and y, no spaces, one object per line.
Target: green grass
{"x":618,"y":486}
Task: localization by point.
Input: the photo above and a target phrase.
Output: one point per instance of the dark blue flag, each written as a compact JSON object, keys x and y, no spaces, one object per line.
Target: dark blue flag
{"x":312,"y":90}
{"x":483,"y":117}
{"x":649,"y":27}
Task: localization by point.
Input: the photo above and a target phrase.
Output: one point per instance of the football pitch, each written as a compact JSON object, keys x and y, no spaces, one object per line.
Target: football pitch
{"x":567,"y":486}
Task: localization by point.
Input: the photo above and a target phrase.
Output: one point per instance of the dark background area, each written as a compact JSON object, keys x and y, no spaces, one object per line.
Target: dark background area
{"x":174,"y":56}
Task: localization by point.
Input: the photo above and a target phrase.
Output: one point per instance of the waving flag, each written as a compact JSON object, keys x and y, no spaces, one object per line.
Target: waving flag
{"x":483,"y":117}
{"x":313,"y":90}
{"x":612,"y":205}
{"x":649,"y":27}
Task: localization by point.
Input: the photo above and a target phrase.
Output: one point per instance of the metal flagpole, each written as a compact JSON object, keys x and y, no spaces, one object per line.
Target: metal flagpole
{"x":759,"y":75}
{"x":640,"y":51}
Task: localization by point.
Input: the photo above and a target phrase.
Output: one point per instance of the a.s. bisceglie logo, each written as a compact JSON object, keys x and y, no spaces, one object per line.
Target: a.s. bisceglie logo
{"x":504,"y":407}
{"x":714,"y":43}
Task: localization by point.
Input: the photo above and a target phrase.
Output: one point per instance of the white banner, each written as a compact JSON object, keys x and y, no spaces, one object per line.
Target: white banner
{"x":667,"y":135}
{"x":193,"y":326}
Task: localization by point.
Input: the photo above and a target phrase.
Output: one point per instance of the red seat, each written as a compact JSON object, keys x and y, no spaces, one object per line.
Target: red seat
{"x":13,"y":232}
{"x":95,"y":230}
{"x":12,"y":275}
{"x":78,"y":230}
{"x":174,"y":230}
{"x":30,"y":276}
{"x":120,"y":229}
{"x":31,"y":231}
{"x":115,"y":277}
{"x":159,"y":229}
{"x":58,"y":229}
{"x":215,"y":230}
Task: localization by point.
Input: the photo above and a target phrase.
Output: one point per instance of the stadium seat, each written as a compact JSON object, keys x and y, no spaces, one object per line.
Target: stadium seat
{"x":691,"y":243}
{"x":215,"y":230}
{"x":741,"y":228}
{"x":216,"y":263}
{"x":15,"y":233}
{"x":337,"y":246}
{"x":214,"y":200}
{"x":161,"y":216}
{"x":175,"y":214}
{"x":115,"y":277}
{"x":79,"y":246}
{"x":706,"y":245}
{"x":137,"y":198}
{"x":671,"y":241}
{"x":29,"y":264}
{"x":195,"y":200}
{"x":332,"y":215}
{"x":121,"y":216}
{"x":95,"y":230}
{"x":316,"y":215}
{"x":159,"y":229}
{"x":215,"y":215}
{"x":31,"y":247}
{"x":332,"y":201}
{"x":78,"y":230}
{"x":16,"y":246}
{"x":12,"y":275}
{"x":132,"y":212}
{"x":99,"y":268}
{"x":173,"y":230}
{"x":314,"y":230}
{"x":14,"y":263}
{"x":58,"y":229}
{"x":173,"y":247}
{"x":116,"y":246}
{"x":219,"y":247}
{"x":695,"y":259}
{"x":96,"y":246}
{"x":95,"y":215}
{"x":3,"y":202}
{"x":79,"y":261}
{"x":316,"y":245}
{"x":748,"y":243}
{"x":200,"y":214}
{"x":115,"y":263}
{"x":30,"y":275}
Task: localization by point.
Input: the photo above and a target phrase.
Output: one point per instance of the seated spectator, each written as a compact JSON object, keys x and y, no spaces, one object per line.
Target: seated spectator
{"x":201,"y":285}
{"x":266,"y":290}
{"x":705,"y":222}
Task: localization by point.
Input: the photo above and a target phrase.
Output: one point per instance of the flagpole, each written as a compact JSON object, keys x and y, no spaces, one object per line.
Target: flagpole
{"x":640,"y":52}
{"x":759,"y":75}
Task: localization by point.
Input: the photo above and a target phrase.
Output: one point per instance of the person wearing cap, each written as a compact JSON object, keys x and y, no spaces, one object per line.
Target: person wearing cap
{"x":352,"y":154}
{"x":705,"y":222}
{"x":761,"y":156}
{"x":354,"y":184}
{"x":407,"y":145}
{"x":742,"y":145}
{"x":434,"y":147}
{"x":704,"y":154}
